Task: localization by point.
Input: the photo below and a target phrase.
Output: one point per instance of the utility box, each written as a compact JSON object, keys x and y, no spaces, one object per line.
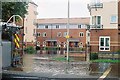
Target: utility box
{"x":6,"y":54}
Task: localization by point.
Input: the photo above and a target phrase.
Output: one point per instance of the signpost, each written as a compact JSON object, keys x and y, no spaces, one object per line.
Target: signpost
{"x":68,"y":34}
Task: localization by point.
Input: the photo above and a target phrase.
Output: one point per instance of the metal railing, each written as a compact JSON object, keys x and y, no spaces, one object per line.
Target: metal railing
{"x":98,"y":26}
{"x":95,"y":5}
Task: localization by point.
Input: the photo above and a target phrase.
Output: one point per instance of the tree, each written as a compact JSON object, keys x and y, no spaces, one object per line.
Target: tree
{"x":13,"y":8}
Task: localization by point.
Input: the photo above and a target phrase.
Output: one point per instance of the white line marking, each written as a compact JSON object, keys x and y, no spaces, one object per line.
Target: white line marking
{"x":105,"y":73}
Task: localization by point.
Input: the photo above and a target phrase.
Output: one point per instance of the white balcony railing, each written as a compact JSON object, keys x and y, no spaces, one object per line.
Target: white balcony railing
{"x":98,"y":26}
{"x":95,"y":5}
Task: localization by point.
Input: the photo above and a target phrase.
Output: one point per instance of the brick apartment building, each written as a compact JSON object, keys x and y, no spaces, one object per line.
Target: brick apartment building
{"x":52,"y":32}
{"x":104,"y":25}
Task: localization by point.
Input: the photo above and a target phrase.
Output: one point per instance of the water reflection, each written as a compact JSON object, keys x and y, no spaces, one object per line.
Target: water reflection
{"x":61,"y":53}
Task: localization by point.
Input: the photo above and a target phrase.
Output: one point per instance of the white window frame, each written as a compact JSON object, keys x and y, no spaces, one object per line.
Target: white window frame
{"x":79,"y":26}
{"x":58,"y":34}
{"x":38,"y":34}
{"x":80,"y":34}
{"x":104,"y":43}
{"x":64,"y":34}
{"x":97,"y":20}
{"x":57,"y":26}
{"x":47,"y":26}
{"x":111,"y":18}
{"x":44,"y":34}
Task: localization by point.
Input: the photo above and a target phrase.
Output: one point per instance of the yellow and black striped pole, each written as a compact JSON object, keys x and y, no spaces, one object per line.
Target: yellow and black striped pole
{"x":16,"y":40}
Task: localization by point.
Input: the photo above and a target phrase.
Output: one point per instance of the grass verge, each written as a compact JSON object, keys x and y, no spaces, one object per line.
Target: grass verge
{"x":106,"y":61}
{"x":61,"y":59}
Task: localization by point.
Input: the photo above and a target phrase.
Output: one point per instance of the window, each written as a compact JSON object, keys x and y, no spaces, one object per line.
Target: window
{"x":59,"y":34}
{"x":46,"y":26}
{"x":104,"y":43}
{"x":34,"y":31}
{"x":96,"y":21}
{"x":81,"y":34}
{"x":65,"y":34}
{"x":113,"y":19}
{"x":38,"y":34}
{"x":44,"y":34}
{"x":26,"y":30}
{"x":57,"y":26}
{"x":38,"y":43}
{"x":88,"y":34}
{"x":80,"y":44}
{"x":79,"y":26}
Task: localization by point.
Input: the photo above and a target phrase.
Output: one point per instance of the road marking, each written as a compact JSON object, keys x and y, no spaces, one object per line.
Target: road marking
{"x":19,"y":77}
{"x":105,"y":73}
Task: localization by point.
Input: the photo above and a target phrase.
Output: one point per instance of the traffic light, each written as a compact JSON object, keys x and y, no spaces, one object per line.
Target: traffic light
{"x":8,"y":31}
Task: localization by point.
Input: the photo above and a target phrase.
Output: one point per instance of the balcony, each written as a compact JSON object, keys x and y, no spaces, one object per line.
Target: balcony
{"x":95,"y":5}
{"x":98,"y":26}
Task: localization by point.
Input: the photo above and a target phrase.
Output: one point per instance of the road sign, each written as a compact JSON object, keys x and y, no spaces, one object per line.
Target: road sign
{"x":67,"y":36}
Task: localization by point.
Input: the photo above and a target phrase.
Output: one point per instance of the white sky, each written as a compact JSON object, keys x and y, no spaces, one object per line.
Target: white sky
{"x":58,"y":8}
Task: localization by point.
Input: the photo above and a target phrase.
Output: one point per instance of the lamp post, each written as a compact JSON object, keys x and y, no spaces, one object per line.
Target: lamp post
{"x":68,"y":33}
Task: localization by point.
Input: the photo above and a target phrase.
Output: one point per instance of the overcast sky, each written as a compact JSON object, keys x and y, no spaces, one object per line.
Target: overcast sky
{"x":58,"y":8}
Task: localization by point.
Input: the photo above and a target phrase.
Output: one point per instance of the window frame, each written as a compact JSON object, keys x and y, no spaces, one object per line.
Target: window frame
{"x":38,"y":34}
{"x":44,"y":34}
{"x":104,"y":45}
{"x":111,"y":18}
{"x":94,"y":20}
{"x":57,"y":26}
{"x":46,"y":26}
{"x":81,"y":33}
{"x":97,"y":20}
{"x":64,"y":34}
{"x":60,"y":34}
{"x":79,"y":26}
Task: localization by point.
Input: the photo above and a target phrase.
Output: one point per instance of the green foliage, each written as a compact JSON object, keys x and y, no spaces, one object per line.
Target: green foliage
{"x":118,"y":51}
{"x":51,"y":48}
{"x":93,"y":56}
{"x":62,"y":59}
{"x":13,"y":8}
{"x":29,"y":50}
{"x":106,"y":61}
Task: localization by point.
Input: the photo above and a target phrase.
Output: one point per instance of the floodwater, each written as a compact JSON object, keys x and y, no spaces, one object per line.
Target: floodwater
{"x":61,"y":53}
{"x":34,"y":64}
{"x":40,"y":62}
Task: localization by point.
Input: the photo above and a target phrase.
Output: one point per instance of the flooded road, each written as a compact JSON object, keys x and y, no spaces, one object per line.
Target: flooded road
{"x":77,"y":56}
{"x":41,"y":63}
{"x":31,"y":64}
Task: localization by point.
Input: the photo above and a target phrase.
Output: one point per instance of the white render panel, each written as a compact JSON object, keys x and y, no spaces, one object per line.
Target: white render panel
{"x":29,"y":22}
{"x":109,"y":8}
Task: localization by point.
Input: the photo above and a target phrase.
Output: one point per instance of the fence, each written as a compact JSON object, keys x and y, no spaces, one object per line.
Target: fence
{"x":109,"y":55}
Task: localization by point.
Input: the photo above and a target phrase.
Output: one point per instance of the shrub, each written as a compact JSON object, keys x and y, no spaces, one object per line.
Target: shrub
{"x":93,"y":56}
{"x":29,"y":50}
{"x":118,"y":51}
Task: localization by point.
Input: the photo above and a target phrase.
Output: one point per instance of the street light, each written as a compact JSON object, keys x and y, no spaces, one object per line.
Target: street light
{"x":68,"y":34}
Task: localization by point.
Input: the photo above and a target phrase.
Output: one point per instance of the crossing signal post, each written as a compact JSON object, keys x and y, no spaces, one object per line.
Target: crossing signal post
{"x":12,"y":34}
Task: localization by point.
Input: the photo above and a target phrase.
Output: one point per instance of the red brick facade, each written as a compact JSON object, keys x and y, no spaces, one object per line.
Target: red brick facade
{"x":52,"y":38}
{"x":52,"y":34}
{"x":114,"y":39}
